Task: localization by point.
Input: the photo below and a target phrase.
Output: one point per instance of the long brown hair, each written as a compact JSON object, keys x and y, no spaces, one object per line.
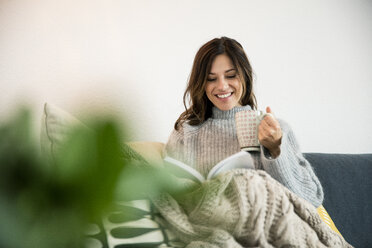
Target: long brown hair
{"x":200,"y":106}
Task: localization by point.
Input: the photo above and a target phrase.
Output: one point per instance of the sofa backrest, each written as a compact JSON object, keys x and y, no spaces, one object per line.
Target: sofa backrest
{"x":347,"y":185}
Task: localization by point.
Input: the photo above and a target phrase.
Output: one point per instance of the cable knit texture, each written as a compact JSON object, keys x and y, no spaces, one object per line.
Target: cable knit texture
{"x":245,"y":208}
{"x":203,"y":146}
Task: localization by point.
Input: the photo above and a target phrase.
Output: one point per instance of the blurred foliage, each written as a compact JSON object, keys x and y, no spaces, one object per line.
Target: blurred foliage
{"x":46,"y":203}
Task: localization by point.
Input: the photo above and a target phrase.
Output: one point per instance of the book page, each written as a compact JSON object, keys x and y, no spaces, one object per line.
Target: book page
{"x":182,"y":170}
{"x":241,"y":159}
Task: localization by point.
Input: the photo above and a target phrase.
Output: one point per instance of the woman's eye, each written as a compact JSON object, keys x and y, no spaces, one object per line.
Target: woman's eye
{"x":231,"y":76}
{"x":211,"y":79}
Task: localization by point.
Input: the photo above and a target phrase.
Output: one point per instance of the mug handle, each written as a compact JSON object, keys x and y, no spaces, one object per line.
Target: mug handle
{"x":262,"y":115}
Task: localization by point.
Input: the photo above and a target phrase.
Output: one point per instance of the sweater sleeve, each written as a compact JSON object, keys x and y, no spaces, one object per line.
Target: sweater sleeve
{"x":292,"y":170}
{"x":175,"y":145}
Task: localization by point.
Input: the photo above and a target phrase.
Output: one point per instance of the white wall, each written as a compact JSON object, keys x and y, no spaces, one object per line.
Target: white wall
{"x":312,"y":60}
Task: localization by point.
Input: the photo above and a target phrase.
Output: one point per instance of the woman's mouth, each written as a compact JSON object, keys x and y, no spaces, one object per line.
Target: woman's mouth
{"x":222,"y":96}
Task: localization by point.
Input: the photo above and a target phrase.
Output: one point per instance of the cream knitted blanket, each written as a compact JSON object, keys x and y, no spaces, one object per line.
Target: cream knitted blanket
{"x":245,"y":208}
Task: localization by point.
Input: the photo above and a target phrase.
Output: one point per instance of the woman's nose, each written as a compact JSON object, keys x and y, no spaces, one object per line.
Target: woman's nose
{"x":222,"y":84}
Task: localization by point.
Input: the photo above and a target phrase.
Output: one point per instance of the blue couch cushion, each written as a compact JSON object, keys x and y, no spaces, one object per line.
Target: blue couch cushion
{"x":347,"y":185}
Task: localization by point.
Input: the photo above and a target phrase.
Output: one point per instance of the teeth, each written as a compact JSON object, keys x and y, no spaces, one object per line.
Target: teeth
{"x":224,"y":96}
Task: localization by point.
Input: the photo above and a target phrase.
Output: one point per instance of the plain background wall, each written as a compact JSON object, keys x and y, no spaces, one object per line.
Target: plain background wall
{"x":312,"y":61}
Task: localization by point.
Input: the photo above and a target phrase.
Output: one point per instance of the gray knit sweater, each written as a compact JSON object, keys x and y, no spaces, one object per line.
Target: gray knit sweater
{"x":205,"y":145}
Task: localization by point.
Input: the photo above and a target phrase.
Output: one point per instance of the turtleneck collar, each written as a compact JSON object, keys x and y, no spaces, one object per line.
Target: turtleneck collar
{"x":220,"y":114}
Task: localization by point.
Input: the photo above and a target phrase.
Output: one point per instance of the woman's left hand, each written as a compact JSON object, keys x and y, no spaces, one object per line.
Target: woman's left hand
{"x":270,"y":133}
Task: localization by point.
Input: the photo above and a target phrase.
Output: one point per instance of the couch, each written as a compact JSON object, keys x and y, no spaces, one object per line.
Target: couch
{"x":346,"y":180}
{"x":347,"y":185}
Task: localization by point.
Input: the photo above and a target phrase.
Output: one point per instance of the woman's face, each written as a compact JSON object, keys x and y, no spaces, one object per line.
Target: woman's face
{"x":223,"y":87}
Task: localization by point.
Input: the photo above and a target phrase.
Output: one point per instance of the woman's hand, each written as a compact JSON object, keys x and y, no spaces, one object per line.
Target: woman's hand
{"x":270,"y":133}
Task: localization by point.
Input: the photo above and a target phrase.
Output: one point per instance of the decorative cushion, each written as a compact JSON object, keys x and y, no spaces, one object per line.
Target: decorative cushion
{"x":54,"y":127}
{"x":327,"y":219}
{"x":152,"y":152}
{"x":137,"y":224}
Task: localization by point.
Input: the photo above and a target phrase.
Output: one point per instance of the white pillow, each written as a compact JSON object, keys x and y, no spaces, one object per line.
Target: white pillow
{"x":54,"y":128}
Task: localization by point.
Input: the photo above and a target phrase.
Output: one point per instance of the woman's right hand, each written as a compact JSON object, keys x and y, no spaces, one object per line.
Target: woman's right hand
{"x":270,"y":133}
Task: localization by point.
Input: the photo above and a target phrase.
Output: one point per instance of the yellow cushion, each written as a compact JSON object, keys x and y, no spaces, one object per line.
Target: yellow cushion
{"x":150,"y":151}
{"x":327,"y":219}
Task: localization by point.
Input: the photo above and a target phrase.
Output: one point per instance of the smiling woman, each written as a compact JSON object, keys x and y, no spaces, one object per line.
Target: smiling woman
{"x":220,"y":86}
{"x":223,"y":88}
{"x":220,"y":67}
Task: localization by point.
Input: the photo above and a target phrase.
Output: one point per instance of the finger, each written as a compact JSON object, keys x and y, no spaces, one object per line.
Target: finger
{"x":264,"y":138}
{"x":265,"y":125}
{"x":271,"y":121}
{"x":262,"y":133}
{"x":266,"y":131}
{"x":268,"y":110}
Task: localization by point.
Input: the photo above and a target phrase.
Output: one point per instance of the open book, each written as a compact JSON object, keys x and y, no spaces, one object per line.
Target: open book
{"x":240,"y":159}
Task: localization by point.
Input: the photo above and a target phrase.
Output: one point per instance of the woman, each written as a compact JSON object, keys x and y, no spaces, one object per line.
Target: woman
{"x":241,"y":207}
{"x":220,"y":85}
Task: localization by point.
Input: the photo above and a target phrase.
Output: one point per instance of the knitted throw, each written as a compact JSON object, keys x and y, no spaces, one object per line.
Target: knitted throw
{"x":245,"y":208}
